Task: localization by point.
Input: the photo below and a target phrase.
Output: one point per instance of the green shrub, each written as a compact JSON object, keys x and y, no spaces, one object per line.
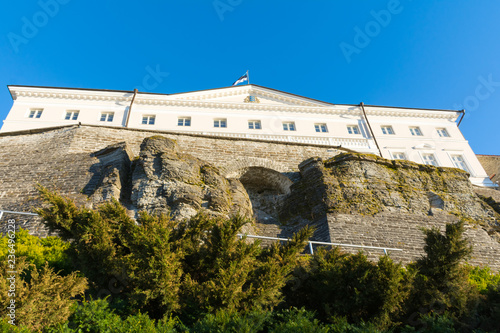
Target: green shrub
{"x":335,"y":284}
{"x":38,"y":251}
{"x":96,"y":317}
{"x":297,"y":320}
{"x":341,"y":325}
{"x":441,"y":284}
{"x":43,"y":301}
{"x":6,"y":327}
{"x":162,"y":266}
{"x":433,"y":323}
{"x":488,"y":311}
{"x":483,"y":278}
{"x":225,"y":321}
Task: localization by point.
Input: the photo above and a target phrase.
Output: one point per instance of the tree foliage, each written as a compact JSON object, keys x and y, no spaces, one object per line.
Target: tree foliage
{"x":336,"y":285}
{"x":44,"y":299}
{"x":441,"y":283}
{"x":39,"y":251}
{"x":198,"y":266}
{"x":154,"y":274}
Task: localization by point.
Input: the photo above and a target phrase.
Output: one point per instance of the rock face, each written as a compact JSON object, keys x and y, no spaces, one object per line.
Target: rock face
{"x":167,"y":181}
{"x":369,"y":201}
{"x":111,"y":179}
{"x":367,"y":184}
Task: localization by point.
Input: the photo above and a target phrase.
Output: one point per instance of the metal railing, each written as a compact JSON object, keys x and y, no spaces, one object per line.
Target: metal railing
{"x":385,"y":249}
{"x":18,"y":213}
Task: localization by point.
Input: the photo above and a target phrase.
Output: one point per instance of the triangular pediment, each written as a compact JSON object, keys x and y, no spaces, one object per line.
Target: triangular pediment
{"x":249,"y":94}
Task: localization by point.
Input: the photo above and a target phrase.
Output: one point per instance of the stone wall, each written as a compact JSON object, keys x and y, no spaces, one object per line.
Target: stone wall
{"x":402,"y":231}
{"x":491,"y":164}
{"x":228,"y":154}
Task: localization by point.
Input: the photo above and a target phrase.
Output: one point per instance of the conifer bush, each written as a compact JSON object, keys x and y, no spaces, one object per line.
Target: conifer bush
{"x":160,"y":275}
{"x":441,"y":283}
{"x":189,"y":268}
{"x":43,"y":300}
{"x":335,"y":284}
{"x":39,"y":251}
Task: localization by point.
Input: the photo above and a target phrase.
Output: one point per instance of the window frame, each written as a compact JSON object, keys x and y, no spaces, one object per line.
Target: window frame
{"x":393,"y":154}
{"x":106,"y":115}
{"x":184,"y":119}
{"x":321,"y":128}
{"x":423,"y":155}
{"x":289,"y":126}
{"x":253,"y":123}
{"x":148,"y":118}
{"x":466,"y":167}
{"x":443,"y":130}
{"x":387,"y":128}
{"x":416,"y":131}
{"x":218,"y":122}
{"x":72,"y":114}
{"x":353,"y":130}
{"x":35,"y":113}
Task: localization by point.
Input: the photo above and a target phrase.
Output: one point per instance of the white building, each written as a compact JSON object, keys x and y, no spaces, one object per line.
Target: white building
{"x":250,"y":111}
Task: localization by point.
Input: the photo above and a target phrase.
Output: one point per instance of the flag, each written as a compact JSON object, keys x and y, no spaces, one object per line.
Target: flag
{"x":243,"y":78}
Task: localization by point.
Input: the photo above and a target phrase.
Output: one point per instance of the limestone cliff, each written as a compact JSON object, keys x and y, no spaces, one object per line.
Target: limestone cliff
{"x":367,"y":184}
{"x":162,"y":180}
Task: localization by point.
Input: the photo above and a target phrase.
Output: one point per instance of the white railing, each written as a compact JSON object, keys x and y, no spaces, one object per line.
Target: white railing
{"x":385,"y":249}
{"x":18,"y":213}
{"x":329,"y":141}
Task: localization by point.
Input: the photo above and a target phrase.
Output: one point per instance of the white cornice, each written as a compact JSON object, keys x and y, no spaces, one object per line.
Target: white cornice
{"x":69,"y":94}
{"x":198,"y":100}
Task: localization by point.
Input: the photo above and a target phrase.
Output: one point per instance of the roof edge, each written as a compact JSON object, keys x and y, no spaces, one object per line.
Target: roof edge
{"x":228,"y":87}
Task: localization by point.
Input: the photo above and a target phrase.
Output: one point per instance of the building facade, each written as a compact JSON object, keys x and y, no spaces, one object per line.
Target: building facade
{"x":424,"y":136}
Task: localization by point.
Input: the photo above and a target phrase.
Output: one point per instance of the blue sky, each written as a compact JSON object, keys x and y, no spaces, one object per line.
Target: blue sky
{"x":430,"y":54}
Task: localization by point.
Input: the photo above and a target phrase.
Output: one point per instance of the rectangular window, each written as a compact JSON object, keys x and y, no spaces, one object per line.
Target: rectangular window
{"x":459,"y":162}
{"x":443,"y":132}
{"x":222,"y":123}
{"x":289,"y":126}
{"x":148,"y":119}
{"x":35,"y":113}
{"x":387,"y":130}
{"x":71,"y":115}
{"x":184,"y":121}
{"x":429,"y":159}
{"x":399,"y":156}
{"x":320,"y":128}
{"x":254,"y":124}
{"x":107,"y":116}
{"x":353,"y":129}
{"x":415,"y":131}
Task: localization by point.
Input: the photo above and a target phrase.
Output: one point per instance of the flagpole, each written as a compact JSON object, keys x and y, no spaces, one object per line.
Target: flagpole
{"x":248,"y":77}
